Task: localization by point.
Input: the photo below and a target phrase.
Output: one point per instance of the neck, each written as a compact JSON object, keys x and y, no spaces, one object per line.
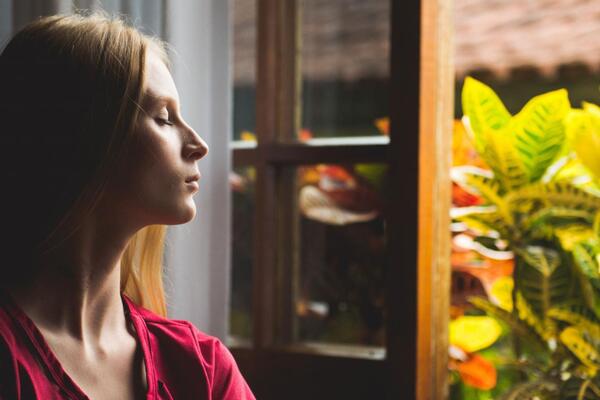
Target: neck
{"x":77,"y":289}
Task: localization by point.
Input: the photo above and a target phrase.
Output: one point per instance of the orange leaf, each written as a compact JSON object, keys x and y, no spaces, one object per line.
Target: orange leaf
{"x":462,"y":198}
{"x":383,"y":124}
{"x":309,"y":175}
{"x":305,"y":134}
{"x":335,"y":172}
{"x":463,"y":150}
{"x":478,"y":372}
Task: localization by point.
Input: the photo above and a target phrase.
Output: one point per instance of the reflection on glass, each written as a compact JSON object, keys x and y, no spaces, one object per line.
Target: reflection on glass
{"x":242,"y":185}
{"x":339,"y":295}
{"x":244,"y":69}
{"x":344,"y":57}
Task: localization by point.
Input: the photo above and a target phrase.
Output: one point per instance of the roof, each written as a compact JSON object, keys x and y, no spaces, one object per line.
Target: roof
{"x":494,"y":35}
{"x":503,"y":35}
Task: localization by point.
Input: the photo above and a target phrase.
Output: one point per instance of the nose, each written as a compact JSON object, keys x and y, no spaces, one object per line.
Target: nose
{"x":196,"y":148}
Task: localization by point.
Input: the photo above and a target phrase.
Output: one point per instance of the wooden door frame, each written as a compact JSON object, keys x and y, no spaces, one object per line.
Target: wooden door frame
{"x":435,"y":193}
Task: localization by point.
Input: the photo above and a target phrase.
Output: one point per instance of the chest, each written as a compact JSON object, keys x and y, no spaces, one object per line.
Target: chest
{"x":116,"y":373}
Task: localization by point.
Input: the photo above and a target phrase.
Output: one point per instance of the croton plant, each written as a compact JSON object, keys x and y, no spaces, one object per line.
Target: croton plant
{"x":526,"y":224}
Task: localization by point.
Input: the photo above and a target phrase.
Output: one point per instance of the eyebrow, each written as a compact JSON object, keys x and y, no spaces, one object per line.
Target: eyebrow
{"x":149,"y":99}
{"x":160,"y":98}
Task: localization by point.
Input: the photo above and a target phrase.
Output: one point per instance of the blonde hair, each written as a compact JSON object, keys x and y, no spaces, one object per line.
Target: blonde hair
{"x":91,"y":70}
{"x":145,"y":285}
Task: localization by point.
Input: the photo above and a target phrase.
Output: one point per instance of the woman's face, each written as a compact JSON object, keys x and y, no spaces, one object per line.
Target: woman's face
{"x":154,"y":185}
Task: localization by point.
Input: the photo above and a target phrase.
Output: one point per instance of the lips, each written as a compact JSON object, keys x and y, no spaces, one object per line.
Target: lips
{"x":193,"y":178}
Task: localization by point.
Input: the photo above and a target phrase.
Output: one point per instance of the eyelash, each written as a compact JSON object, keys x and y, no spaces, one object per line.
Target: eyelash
{"x":165,"y":121}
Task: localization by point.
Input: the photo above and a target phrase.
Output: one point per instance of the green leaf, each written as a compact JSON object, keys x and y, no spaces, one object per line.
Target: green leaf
{"x":541,"y":278}
{"x":502,"y":157}
{"x":580,"y":389}
{"x":518,"y":327}
{"x":544,"y":327}
{"x":554,"y":194}
{"x":539,"y":389}
{"x":375,"y":174}
{"x":484,"y":110}
{"x":540,"y":131}
{"x":556,"y":216}
{"x":482,"y":182}
{"x":585,"y":254}
{"x":483,"y":219}
{"x":544,"y":260}
{"x":586,"y":267}
{"x":597,"y":225}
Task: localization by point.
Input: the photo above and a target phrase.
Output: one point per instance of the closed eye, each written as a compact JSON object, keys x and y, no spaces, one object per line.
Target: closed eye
{"x":164,"y":121}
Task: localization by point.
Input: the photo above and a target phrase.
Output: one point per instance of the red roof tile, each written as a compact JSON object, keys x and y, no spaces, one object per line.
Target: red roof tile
{"x":348,"y":39}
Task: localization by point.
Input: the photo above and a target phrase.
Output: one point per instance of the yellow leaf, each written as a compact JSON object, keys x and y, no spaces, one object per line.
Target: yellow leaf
{"x":569,"y":236}
{"x":591,"y":108}
{"x":585,"y":351}
{"x":583,"y":132}
{"x":248,"y":136}
{"x":501,"y":292}
{"x":473,"y":333}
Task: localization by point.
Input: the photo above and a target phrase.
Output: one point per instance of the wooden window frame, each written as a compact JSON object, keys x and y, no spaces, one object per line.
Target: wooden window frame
{"x":418,"y":153}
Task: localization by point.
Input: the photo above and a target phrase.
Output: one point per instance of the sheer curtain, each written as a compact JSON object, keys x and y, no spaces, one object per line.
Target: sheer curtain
{"x":197,"y":255}
{"x":148,"y":15}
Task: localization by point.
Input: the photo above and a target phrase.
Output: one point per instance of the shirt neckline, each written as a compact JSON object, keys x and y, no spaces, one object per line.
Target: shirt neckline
{"x":53,"y":365}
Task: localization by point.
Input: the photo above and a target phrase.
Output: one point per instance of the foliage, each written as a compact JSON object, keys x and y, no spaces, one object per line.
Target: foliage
{"x":473,"y":332}
{"x":541,"y":196}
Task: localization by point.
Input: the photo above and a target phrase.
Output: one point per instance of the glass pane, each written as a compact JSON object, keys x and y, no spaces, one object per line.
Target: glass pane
{"x":244,"y":69}
{"x":339,"y":296}
{"x":344,"y":58}
{"x":242,"y":186}
{"x":522,"y":337}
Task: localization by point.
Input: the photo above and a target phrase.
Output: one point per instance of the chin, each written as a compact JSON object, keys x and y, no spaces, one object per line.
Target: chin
{"x":173,"y":213}
{"x":186,"y":214}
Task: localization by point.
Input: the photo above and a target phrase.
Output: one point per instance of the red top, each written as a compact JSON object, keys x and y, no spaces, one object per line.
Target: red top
{"x":181,"y":362}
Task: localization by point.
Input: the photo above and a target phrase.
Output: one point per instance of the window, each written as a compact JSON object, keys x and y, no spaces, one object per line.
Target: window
{"x":335,"y":255}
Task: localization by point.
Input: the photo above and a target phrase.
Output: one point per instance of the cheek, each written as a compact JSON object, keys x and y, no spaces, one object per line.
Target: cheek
{"x":133,"y":179}
{"x":161,"y":190}
{"x":152,"y":185}
{"x":158,"y":177}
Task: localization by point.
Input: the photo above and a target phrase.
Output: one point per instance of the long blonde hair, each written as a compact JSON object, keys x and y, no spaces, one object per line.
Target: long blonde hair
{"x":71,"y":89}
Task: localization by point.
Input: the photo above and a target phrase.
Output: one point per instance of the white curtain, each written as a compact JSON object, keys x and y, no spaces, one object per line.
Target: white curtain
{"x":197,"y":254}
{"x":148,"y":15}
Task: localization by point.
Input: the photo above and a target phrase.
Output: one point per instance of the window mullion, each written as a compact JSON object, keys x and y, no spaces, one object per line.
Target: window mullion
{"x":275,"y":111}
{"x":286,"y":231}
{"x":263,"y":315}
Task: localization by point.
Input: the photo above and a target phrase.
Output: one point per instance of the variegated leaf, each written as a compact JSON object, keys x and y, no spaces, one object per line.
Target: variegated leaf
{"x":484,"y":111}
{"x":540,"y":131}
{"x":582,"y":346}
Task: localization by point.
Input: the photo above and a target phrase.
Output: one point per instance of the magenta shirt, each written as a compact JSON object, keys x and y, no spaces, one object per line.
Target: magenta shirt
{"x":181,"y":362}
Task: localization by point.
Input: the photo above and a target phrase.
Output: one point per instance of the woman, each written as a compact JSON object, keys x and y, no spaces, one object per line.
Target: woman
{"x":96,"y":161}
